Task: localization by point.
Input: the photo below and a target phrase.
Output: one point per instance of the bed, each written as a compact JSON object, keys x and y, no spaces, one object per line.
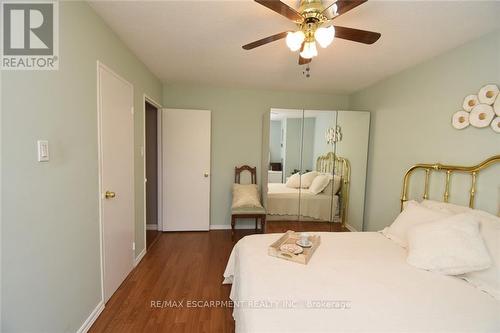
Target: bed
{"x":367,"y":281}
{"x":355,"y":282}
{"x":284,"y":203}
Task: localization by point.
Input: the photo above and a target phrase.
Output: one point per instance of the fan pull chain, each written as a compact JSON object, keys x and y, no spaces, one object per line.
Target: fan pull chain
{"x":307,"y":72}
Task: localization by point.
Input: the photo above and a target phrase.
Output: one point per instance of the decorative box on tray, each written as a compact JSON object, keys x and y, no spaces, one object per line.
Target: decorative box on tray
{"x":284,"y":247}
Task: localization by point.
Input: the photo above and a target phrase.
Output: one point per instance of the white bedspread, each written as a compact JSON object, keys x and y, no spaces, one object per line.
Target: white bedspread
{"x":283,"y":200}
{"x":366,"y":275}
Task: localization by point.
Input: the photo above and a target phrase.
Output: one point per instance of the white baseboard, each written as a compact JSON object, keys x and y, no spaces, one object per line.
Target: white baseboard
{"x":92,"y":318}
{"x":139,"y":257}
{"x":228,"y":226}
{"x":351,"y":228}
{"x":152,"y":227}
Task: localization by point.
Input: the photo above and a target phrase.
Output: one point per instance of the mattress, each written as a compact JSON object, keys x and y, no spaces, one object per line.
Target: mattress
{"x":355,"y":282}
{"x":284,"y":201}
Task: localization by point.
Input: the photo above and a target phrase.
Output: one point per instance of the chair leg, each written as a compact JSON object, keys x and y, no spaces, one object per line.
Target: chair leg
{"x":233,"y":224}
{"x":256,"y":223}
{"x":263,"y":224}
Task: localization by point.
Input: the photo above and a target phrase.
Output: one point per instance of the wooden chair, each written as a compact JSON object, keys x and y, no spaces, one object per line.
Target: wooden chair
{"x":256,"y":213}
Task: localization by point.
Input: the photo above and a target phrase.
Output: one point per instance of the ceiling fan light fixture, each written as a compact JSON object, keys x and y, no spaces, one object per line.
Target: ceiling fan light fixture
{"x":313,"y":20}
{"x":309,"y":50}
{"x":294,"y":40}
{"x":325,"y":36}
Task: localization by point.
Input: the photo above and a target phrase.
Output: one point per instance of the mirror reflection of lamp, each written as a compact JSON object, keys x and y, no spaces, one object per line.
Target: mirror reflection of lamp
{"x":333,"y":135}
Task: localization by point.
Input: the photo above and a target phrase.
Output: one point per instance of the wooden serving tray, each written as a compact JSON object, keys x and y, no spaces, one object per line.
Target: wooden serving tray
{"x":290,"y":237}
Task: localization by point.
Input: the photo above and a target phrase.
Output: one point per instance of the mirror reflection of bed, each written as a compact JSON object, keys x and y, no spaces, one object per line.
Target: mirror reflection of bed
{"x":314,"y":160}
{"x":289,"y":201}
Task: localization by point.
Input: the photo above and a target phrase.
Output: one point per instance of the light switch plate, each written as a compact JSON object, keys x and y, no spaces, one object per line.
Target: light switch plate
{"x":43,"y":150}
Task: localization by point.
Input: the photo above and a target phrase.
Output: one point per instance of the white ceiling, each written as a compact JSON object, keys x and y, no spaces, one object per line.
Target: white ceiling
{"x":200,"y":41}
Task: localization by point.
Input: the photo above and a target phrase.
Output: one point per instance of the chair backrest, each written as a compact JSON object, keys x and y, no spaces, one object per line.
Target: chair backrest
{"x":252,"y":170}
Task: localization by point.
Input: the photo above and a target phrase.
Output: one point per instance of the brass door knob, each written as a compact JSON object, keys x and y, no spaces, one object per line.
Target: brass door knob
{"x":206,"y":174}
{"x":109,"y":195}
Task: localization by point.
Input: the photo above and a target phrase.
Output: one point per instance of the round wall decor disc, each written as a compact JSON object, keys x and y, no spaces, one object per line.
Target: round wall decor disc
{"x":460,"y":119}
{"x":488,"y":94}
{"x":481,"y":116}
{"x":496,"y":106}
{"x":495,"y":124}
{"x":470,"y":102}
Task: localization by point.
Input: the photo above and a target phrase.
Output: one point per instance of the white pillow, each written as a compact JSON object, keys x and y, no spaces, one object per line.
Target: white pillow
{"x":246,"y":196}
{"x":319,"y":184}
{"x":488,"y":280}
{"x":450,"y":246}
{"x":445,"y":206}
{"x":293,"y":181}
{"x":307,"y":179}
{"x":412,"y":215}
{"x":333,"y":186}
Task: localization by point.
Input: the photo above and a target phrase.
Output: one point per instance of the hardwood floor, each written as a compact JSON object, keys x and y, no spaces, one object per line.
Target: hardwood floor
{"x":151,"y":237}
{"x":178,"y":267}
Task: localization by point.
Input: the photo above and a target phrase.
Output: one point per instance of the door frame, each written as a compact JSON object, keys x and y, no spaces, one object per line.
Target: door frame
{"x":150,"y":100}
{"x":99,"y":166}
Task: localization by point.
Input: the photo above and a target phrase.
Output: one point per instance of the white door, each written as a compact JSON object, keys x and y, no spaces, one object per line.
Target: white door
{"x":186,"y":169}
{"x":116,"y":133}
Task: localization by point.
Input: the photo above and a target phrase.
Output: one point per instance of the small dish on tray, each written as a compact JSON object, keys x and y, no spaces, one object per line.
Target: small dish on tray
{"x":291,"y":248}
{"x":305,"y":244}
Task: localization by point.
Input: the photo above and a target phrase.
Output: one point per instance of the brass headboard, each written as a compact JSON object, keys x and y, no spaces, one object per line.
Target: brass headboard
{"x":449,"y":169}
{"x":330,"y":163}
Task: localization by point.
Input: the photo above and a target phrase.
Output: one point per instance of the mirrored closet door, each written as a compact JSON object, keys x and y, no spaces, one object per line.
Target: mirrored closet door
{"x":285,"y":141}
{"x":316,"y":165}
{"x":353,"y":135}
{"x":318,"y":201}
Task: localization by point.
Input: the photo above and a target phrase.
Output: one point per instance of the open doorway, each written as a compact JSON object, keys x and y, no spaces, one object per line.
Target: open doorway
{"x":152,"y":159}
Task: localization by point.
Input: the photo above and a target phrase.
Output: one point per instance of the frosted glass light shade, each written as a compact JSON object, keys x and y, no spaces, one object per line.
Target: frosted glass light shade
{"x":325,"y":36}
{"x":294,"y":40}
{"x":309,"y":51}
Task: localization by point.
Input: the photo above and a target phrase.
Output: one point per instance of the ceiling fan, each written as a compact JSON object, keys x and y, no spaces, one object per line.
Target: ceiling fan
{"x":315,"y":24}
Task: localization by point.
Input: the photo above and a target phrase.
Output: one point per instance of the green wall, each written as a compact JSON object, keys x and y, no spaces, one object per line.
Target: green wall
{"x":237,"y":116}
{"x":411,"y":123}
{"x":50,"y":230}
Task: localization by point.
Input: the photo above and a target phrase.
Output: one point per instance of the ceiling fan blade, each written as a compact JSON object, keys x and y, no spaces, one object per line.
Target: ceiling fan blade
{"x":343,"y":6}
{"x":328,"y":11}
{"x":282,"y":9}
{"x":303,"y":61}
{"x":266,"y":40}
{"x":356,"y":35}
